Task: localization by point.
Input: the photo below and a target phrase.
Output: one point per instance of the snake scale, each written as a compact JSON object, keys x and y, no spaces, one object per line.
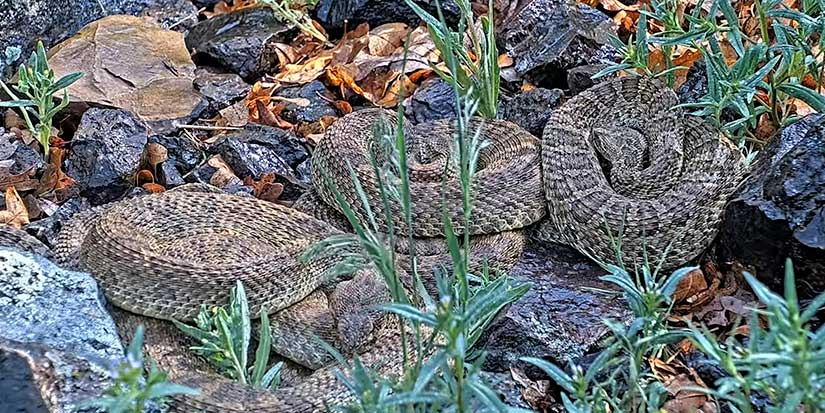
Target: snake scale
{"x":615,"y":159}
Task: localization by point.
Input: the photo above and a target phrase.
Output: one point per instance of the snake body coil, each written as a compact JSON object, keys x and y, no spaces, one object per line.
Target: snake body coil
{"x":162,"y":256}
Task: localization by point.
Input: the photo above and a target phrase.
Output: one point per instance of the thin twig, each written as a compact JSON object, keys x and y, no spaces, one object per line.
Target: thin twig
{"x":204,"y":127}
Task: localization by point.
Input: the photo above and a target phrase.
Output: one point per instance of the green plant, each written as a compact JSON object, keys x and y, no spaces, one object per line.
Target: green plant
{"x":131,"y":391}
{"x":36,"y":82}
{"x":765,"y":77}
{"x":292,"y":11}
{"x":223,"y":336}
{"x":620,"y":378}
{"x":783,"y":362}
{"x":474,"y":73}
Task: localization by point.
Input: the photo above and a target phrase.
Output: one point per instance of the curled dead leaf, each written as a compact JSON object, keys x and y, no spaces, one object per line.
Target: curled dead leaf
{"x":16,"y":213}
{"x":223,"y":175}
{"x":144,"y":176}
{"x":153,"y":188}
{"x":343,"y":106}
{"x":266,"y":188}
{"x":156,"y":154}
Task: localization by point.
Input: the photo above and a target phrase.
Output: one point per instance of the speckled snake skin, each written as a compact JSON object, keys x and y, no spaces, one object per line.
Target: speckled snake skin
{"x":616,"y":159}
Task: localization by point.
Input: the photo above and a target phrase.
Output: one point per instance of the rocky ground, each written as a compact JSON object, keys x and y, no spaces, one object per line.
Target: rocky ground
{"x":172,"y":97}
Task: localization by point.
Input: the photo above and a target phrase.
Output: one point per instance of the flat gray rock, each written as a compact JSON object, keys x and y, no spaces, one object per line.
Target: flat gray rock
{"x":56,"y":317}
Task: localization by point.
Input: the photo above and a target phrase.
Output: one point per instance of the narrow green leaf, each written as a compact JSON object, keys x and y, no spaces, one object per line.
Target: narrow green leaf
{"x":162,"y":390}
{"x":262,"y":352}
{"x":807,"y":95}
{"x":558,"y":375}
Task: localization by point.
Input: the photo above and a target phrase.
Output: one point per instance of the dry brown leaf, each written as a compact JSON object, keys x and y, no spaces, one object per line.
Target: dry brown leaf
{"x":53,"y":177}
{"x":305,"y":72}
{"x":266,"y":188}
{"x":616,"y":5}
{"x":343,"y":77}
{"x":765,"y":128}
{"x":801,"y":108}
{"x":504,"y":60}
{"x":684,"y":399}
{"x":223,"y":7}
{"x":258,"y":93}
{"x":535,"y":392}
{"x":156,"y":154}
{"x":153,"y":188}
{"x":393,"y":92}
{"x":16,"y":213}
{"x":144,"y":176}
{"x":385,"y":39}
{"x":343,"y":106}
{"x":691,"y":284}
{"x":223,"y":176}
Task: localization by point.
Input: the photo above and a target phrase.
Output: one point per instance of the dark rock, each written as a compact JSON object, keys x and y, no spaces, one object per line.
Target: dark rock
{"x":105,"y":153}
{"x":560,"y":318}
{"x":333,"y":13}
{"x":16,"y":157}
{"x":205,"y":3}
{"x":221,"y":90}
{"x":314,"y":92}
{"x":433,"y":100}
{"x":581,"y":78}
{"x":506,"y":387}
{"x":23,"y":23}
{"x":546,"y":31}
{"x":532,"y":109}
{"x":779,"y":212}
{"x":258,"y":149}
{"x":304,"y":172}
{"x":13,"y":238}
{"x":178,"y":15}
{"x":183,"y":152}
{"x":19,"y":389}
{"x":170,"y":176}
{"x":46,"y":229}
{"x":41,"y":304}
{"x":696,"y":84}
{"x":237,"y":40}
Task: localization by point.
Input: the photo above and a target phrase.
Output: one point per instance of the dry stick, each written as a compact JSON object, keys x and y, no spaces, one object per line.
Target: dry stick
{"x":205,"y":127}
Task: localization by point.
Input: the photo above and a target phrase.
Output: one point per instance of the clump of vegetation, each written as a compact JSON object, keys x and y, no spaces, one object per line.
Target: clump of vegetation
{"x":474,"y":73}
{"x":132,"y":391}
{"x":36,"y":82}
{"x":294,"y":12}
{"x":782,"y":360}
{"x":771,"y":70}
{"x":223,"y":335}
{"x":620,"y":378}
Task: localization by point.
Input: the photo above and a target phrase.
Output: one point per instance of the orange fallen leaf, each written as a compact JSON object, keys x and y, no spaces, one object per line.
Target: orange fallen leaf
{"x":504,"y":60}
{"x":343,"y":77}
{"x":223,"y":7}
{"x":343,"y":106}
{"x":53,"y":177}
{"x":691,"y":284}
{"x":144,"y":176}
{"x":16,"y":213}
{"x":153,"y":188}
{"x":258,"y":93}
{"x":266,"y":188}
